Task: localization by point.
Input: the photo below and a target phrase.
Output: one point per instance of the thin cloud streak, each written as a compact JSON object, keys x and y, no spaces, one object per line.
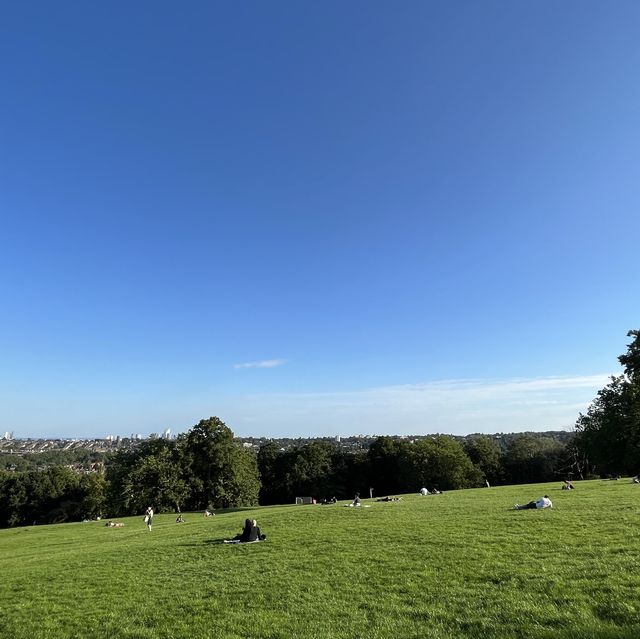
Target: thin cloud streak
{"x":451,"y":406}
{"x":265,"y":363}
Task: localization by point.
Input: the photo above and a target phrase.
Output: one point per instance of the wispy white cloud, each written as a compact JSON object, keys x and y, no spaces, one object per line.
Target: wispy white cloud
{"x":264,"y":363}
{"x":451,"y":406}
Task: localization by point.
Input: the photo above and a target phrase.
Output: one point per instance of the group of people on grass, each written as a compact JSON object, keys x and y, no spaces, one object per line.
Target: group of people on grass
{"x":251,"y":531}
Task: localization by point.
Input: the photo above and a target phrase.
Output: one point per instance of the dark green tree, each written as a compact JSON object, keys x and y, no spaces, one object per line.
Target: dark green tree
{"x":609,"y":433}
{"x":386,"y":458}
{"x":93,"y":489}
{"x":271,"y":464}
{"x":531,"y":459}
{"x":151,"y":474}
{"x":240,"y":484}
{"x":485,"y":453}
{"x":223,"y":474}
{"x":440,"y":462}
{"x":156,"y":480}
{"x":49,"y":496}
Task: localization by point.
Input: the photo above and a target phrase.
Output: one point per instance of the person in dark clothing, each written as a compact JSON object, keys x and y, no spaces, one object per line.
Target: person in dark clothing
{"x":246,"y":531}
{"x":254,"y":533}
{"x":250,"y":532}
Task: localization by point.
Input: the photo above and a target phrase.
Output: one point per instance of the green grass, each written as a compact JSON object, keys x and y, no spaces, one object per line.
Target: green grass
{"x":456,"y":565}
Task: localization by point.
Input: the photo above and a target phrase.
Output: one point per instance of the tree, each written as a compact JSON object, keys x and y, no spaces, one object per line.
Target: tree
{"x":609,"y":433}
{"x":156,"y":481}
{"x":484,"y":452}
{"x":151,"y":474}
{"x":223,"y":474}
{"x":531,"y":460}
{"x":271,"y":468}
{"x":312,"y":470}
{"x":386,"y":456}
{"x":93,"y":488}
{"x":49,"y":496}
{"x":441,"y":462}
{"x":240,"y":484}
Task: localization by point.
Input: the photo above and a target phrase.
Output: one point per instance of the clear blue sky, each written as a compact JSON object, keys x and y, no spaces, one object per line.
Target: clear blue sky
{"x":315,"y":218}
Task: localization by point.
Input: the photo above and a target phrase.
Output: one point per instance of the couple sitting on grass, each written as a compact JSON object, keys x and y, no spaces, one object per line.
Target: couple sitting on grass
{"x":250,"y":533}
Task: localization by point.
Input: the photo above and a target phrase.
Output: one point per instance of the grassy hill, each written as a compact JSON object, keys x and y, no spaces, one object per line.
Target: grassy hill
{"x":453,"y":565}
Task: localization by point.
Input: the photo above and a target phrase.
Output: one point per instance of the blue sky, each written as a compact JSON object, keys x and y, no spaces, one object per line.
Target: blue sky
{"x":315,"y":218}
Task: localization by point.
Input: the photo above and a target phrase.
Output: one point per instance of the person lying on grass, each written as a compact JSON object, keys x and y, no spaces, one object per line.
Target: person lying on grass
{"x":114,"y":524}
{"x":543,"y":502}
{"x":250,"y":532}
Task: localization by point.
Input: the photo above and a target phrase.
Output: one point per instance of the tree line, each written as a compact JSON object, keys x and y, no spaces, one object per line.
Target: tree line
{"x":207,"y":468}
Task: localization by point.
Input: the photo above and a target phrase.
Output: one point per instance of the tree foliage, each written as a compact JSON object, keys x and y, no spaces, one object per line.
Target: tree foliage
{"x":532,"y":459}
{"x":609,"y":433}
{"x":439,"y":462}
{"x":226,"y":475}
{"x":485,"y":453}
{"x":208,"y":468}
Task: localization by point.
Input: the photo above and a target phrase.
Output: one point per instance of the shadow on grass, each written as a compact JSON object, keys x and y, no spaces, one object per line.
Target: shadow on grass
{"x":238,"y":509}
{"x":218,"y":542}
{"x":205,"y":542}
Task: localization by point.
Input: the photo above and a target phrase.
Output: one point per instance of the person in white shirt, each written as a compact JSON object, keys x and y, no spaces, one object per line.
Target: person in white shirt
{"x":148,"y":517}
{"x":543,"y":502}
{"x":424,"y":492}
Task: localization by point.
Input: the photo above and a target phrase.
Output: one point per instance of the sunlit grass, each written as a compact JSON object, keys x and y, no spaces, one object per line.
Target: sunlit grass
{"x":454,"y":565}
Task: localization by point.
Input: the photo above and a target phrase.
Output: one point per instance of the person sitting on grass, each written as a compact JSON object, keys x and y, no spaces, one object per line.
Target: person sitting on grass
{"x":179,"y":519}
{"x":543,"y":502}
{"x":567,"y":485}
{"x":255,"y":534}
{"x":356,"y":500}
{"x":250,"y":532}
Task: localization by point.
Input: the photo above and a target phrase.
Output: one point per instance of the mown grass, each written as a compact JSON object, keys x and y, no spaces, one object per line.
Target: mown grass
{"x":448,"y":566}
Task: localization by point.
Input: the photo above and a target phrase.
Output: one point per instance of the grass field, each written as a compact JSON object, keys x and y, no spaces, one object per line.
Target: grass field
{"x":453,"y":565}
